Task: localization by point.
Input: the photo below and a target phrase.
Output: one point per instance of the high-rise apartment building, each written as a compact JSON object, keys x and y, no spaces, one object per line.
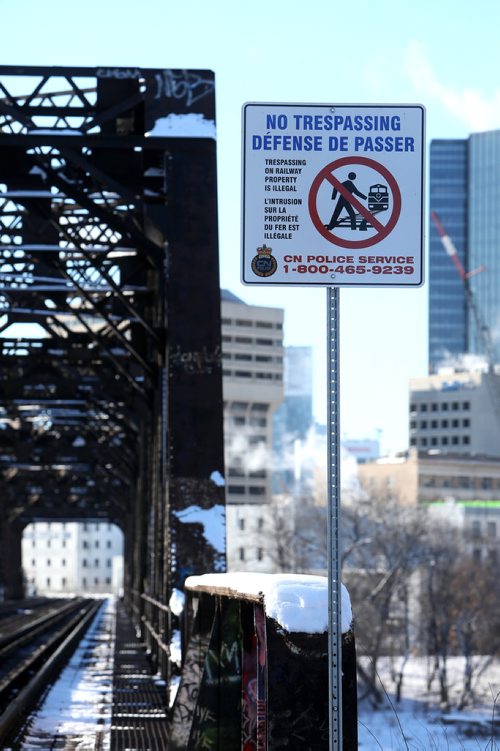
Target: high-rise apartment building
{"x":252,"y":351}
{"x":465,"y":193}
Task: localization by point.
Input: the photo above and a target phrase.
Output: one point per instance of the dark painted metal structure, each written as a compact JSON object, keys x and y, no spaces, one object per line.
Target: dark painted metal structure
{"x":111,"y":400}
{"x":248,"y":684}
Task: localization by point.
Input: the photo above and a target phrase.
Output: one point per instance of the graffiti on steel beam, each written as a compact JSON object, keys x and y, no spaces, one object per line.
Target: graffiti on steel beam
{"x":183,"y":84}
{"x":196,"y":362}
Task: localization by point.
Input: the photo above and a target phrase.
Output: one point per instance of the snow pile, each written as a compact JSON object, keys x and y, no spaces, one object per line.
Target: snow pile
{"x":192,"y":125}
{"x":298,"y":602}
{"x":213,"y":521}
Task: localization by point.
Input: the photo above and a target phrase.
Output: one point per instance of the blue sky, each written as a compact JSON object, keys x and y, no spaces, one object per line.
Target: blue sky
{"x":444,"y":55}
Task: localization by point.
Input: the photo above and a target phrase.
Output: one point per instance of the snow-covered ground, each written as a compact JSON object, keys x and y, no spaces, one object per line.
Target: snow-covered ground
{"x":417,"y":723}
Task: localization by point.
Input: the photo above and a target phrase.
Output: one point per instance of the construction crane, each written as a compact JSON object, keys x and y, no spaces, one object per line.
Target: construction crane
{"x":483,"y":329}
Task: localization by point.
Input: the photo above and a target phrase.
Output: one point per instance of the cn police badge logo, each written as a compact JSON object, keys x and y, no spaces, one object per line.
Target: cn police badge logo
{"x":264,"y":264}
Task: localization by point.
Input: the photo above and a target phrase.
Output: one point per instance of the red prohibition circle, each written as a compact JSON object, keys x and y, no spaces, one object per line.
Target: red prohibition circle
{"x":324,"y":175}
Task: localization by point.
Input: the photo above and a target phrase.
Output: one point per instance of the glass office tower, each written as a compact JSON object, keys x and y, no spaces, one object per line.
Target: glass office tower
{"x":465,"y":193}
{"x":484,"y":234}
{"x":447,"y":305}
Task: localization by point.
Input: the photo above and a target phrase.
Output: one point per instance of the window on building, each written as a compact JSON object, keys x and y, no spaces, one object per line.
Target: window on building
{"x":413,"y":441}
{"x":465,"y":440}
{"x":455,"y":423}
{"x":108,"y":544}
{"x":423,"y":407}
{"x":444,"y":441}
{"x":444,"y":423}
{"x":63,"y":581}
{"x":241,"y":524}
{"x":96,"y":562}
{"x":85,"y":544}
{"x":423,"y":424}
{"x":84,"y":581}
{"x":255,"y":490}
{"x":434,"y":407}
{"x":242,"y":356}
{"x":260,"y":406}
{"x":464,"y":482}
{"x":243,"y":322}
{"x":476,"y":555}
{"x":260,"y":523}
{"x":264,"y":325}
{"x":33,"y":562}
{"x":48,"y":561}
{"x":84,"y":562}
{"x":434,"y":441}
{"x":242,"y":554}
{"x":236,"y":489}
{"x":455,"y":440}
{"x":108,"y":562}
{"x":239,"y":421}
{"x":466,"y":405}
{"x":48,"y":543}
{"x":476,"y":529}
{"x":423,"y":442}
{"x":260,"y":554}
{"x":48,"y":581}
{"x":465,"y":422}
{"x":455,"y":406}
{"x":96,"y":580}
{"x":486,"y":483}
{"x":242,"y":374}
{"x":444,"y":406}
{"x":492,"y":530}
{"x":265,"y":342}
{"x":413,"y":424}
{"x":96,"y":544}
{"x":63,"y":561}
{"x":108,"y":580}
{"x":492,"y":555}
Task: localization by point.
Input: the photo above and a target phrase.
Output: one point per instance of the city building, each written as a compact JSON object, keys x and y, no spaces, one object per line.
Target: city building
{"x":362,"y":449}
{"x":430,"y":476}
{"x":292,"y":423}
{"x":456,"y":411}
{"x":465,"y":194}
{"x":73,"y":557}
{"x":252,"y":352}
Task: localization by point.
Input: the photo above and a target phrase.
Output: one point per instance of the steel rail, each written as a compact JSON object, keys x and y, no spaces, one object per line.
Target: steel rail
{"x":62,"y":647}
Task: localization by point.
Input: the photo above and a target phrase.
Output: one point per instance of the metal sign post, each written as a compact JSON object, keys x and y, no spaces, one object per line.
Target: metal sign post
{"x":334,"y":581}
{"x":333,"y":196}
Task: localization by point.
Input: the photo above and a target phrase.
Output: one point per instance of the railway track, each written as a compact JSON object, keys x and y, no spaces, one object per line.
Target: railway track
{"x":32,"y":656}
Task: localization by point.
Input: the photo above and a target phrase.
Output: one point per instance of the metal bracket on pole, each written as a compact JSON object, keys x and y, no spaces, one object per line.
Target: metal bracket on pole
{"x":334,"y":583}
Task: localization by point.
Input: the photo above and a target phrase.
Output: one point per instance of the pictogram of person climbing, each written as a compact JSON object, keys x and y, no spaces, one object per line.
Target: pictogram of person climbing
{"x":344,"y":203}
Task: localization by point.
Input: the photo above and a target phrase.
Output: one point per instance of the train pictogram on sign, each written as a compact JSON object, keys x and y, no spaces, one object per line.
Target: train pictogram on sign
{"x":350,"y":210}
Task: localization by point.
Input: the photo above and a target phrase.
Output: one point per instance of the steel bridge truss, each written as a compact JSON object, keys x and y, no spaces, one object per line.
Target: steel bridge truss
{"x":110,"y":359}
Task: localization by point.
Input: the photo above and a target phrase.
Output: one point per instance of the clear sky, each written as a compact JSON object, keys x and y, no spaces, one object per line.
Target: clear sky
{"x":443,"y":54}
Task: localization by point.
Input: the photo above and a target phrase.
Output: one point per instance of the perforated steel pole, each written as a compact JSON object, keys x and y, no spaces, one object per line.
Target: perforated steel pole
{"x":334,"y":583}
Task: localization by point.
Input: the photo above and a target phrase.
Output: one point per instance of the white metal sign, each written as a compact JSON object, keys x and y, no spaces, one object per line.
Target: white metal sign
{"x":333,"y":194}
